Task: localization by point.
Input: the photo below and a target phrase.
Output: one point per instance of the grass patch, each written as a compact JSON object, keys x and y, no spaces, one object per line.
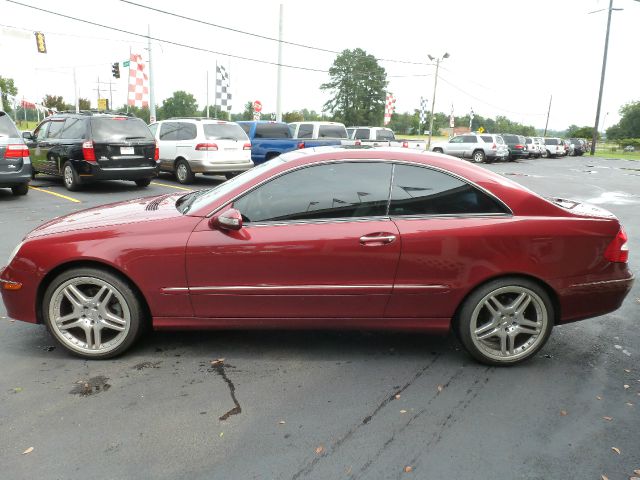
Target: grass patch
{"x":621,"y":155}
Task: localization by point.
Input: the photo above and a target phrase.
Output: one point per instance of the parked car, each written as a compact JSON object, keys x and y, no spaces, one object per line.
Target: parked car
{"x":579,"y":146}
{"x":15,"y":164}
{"x":198,"y":145}
{"x":568,"y":148}
{"x":517,"y":146}
{"x":270,"y":139}
{"x":629,"y":148}
{"x":86,"y":147}
{"x":480,"y":148}
{"x":534,"y":147}
{"x":318,"y":130}
{"x":331,"y":238}
{"x":380,"y":137}
{"x":554,"y":147}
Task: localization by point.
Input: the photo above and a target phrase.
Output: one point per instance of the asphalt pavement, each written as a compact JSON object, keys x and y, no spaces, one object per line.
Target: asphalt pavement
{"x":326,"y":405}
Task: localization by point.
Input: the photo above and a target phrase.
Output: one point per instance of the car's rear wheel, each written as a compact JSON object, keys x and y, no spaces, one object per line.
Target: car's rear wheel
{"x":505,"y":321}
{"x":479,"y":156}
{"x":21,"y":189}
{"x":230,"y":175}
{"x":184,"y":174}
{"x":143,"y":182}
{"x":70,"y":177}
{"x":92,"y":313}
{"x":437,"y":150}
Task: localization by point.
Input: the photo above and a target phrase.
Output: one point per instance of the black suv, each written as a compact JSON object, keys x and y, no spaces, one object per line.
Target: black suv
{"x":87,"y":146}
{"x":15,"y":168}
{"x":579,"y":146}
{"x":517,"y":146}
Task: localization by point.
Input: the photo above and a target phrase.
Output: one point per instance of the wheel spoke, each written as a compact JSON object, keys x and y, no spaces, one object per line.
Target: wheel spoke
{"x":494,"y":306}
{"x":65,"y":318}
{"x":485,"y":328}
{"x":113,"y":322}
{"x":67,"y":326}
{"x":503,"y":344}
{"x":75,"y":296}
{"x":512,"y":343}
{"x":87,"y":333}
{"x":521,"y":303}
{"x":528,"y":323}
{"x":529,"y":331}
{"x":491,"y":333}
{"x":97,"y":336}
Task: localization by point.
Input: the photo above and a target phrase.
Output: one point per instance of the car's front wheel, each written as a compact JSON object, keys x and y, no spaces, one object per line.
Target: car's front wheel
{"x":92,"y":312}
{"x":505,"y":321}
{"x":70,"y":177}
{"x":184,"y":174}
{"x":479,"y":156}
{"x":143,"y":182}
{"x":437,"y":150}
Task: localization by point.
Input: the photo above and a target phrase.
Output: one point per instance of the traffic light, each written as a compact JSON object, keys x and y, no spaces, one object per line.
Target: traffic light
{"x":115,"y":70}
{"x":40,"y":43}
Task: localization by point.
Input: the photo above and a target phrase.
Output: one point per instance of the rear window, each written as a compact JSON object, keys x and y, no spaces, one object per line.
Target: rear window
{"x":224,"y":131}
{"x":7,"y":128}
{"x":332,"y":131}
{"x":529,"y":141}
{"x":551,"y":141}
{"x":510,"y":138}
{"x":362,"y":134}
{"x":486,"y":138}
{"x":386,"y":135}
{"x":305,"y":130}
{"x":246,"y":127}
{"x":74,"y":128}
{"x":499,"y":140}
{"x":272,"y":130}
{"x":118,"y":129}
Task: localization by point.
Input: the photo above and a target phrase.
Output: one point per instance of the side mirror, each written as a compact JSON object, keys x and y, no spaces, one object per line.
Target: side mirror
{"x":27,"y":135}
{"x":230,"y":219}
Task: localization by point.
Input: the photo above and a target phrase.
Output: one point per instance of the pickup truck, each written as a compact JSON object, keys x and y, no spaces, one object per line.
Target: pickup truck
{"x":270,"y":139}
{"x":380,"y":137}
{"x":318,"y":130}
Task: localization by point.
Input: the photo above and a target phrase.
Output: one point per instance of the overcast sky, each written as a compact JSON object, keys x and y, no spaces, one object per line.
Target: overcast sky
{"x":506,"y":57}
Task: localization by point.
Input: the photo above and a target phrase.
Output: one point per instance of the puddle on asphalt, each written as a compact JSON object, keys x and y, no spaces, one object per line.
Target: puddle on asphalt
{"x":93,"y":386}
{"x":218,"y":367}
{"x":615,"y":198}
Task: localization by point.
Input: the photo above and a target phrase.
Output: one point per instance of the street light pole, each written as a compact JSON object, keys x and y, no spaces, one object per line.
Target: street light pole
{"x":594,"y":139}
{"x":433,"y":102}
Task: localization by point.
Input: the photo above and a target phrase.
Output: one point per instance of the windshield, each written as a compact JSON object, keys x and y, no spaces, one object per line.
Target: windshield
{"x":195,"y":200}
{"x":7,"y":128}
{"x":224,"y":131}
{"x":550,"y":141}
{"x":118,"y":129}
{"x":385,"y":134}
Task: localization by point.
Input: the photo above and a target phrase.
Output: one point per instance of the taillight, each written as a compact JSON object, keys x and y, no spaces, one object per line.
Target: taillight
{"x":207,"y":147}
{"x":494,"y":146}
{"x":405,"y":144}
{"x":88,"y":152}
{"x":358,"y":143}
{"x":301,"y":145}
{"x":156,"y":153}
{"x":618,"y":250}
{"x":518,"y":147}
{"x":16,"y":151}
{"x":247,"y":146}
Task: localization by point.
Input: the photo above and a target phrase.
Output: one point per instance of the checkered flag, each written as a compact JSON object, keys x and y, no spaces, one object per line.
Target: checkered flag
{"x":389,"y":108}
{"x":471,"y":115}
{"x":138,"y":83}
{"x":223,"y":88}
{"x":423,"y":110}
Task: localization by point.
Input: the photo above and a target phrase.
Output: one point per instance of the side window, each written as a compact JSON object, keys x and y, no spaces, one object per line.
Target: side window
{"x":362,"y":134}
{"x":246,"y":127}
{"x":456,"y":140}
{"x":169,"y":131}
{"x":55,"y":129}
{"x":336,"y":190}
{"x":305,"y":130}
{"x":469,"y":139}
{"x":154,"y":128}
{"x":487,"y":138}
{"x":74,"y":128}
{"x":41,"y":132}
{"x":423,"y":191}
{"x":529,"y":141}
{"x":187,"y":131}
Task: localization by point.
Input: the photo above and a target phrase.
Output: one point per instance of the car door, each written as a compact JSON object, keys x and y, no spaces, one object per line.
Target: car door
{"x":450,"y":230}
{"x":38,"y":146}
{"x":186,"y":140}
{"x":454,"y":147}
{"x":52,"y":146}
{"x":316,"y":243}
{"x":167,"y":144}
{"x":468,"y":145}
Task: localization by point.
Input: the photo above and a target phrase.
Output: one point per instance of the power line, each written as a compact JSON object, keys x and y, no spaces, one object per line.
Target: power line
{"x":264,"y":37}
{"x":71,"y":35}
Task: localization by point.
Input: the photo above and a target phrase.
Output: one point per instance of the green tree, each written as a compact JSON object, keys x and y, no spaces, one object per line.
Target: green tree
{"x":357,"y":84}
{"x":579,"y":132}
{"x":180,"y":104}
{"x":84,"y":104}
{"x":55,"y":101}
{"x":629,"y":124}
{"x":293,"y":117}
{"x":8,"y":88}
{"x":215,"y":111}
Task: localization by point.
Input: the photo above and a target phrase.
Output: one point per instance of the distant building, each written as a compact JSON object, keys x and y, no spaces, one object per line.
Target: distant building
{"x":451,"y":132}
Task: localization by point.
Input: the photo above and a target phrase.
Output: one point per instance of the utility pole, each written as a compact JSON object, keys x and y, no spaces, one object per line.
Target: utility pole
{"x":433,"y":103}
{"x":75,"y":90}
{"x":594,"y":139}
{"x":548,"y":112}
{"x":152,"y":97}
{"x":279,"y":88}
{"x":110,"y":96}
{"x":207,"y":93}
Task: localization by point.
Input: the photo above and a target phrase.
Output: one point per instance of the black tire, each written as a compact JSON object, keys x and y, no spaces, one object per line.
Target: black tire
{"x":271,"y":156}
{"x":70,"y":177}
{"x":230,"y":175}
{"x":143,"y":182}
{"x":437,"y":150}
{"x":184,"y":174}
{"x":479,"y":156}
{"x":21,"y":189}
{"x":477,"y":308}
{"x":134,"y":324}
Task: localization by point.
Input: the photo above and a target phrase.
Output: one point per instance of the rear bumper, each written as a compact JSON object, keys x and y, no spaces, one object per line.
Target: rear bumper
{"x":213,"y":166}
{"x":593,"y":298}
{"x":90,"y":171}
{"x":13,"y":179}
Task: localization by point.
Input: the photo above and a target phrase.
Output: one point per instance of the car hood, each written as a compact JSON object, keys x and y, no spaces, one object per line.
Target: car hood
{"x":130,"y":211}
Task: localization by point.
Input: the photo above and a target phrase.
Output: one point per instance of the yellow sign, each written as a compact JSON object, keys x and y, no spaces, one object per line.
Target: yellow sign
{"x":481,"y":130}
{"x":102,"y":104}
{"x":40,"y":42}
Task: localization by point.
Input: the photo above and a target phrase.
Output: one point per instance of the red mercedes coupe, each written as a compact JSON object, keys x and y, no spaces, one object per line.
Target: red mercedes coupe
{"x":328,"y":238}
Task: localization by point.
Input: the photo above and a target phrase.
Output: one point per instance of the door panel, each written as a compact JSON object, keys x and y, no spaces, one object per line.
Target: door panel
{"x":296,"y":270}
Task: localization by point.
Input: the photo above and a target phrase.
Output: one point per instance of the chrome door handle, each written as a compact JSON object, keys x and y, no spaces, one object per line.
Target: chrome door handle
{"x":377,"y":239}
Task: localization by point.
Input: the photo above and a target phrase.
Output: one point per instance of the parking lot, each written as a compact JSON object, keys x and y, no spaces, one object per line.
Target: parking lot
{"x":325,"y":405}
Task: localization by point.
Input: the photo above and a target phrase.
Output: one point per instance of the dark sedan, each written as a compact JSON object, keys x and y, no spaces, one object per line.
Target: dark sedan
{"x":328,"y":238}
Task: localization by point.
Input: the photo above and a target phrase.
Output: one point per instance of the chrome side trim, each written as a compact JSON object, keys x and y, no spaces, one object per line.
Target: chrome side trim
{"x":246,"y":288}
{"x":127,"y":169}
{"x":601,"y":282}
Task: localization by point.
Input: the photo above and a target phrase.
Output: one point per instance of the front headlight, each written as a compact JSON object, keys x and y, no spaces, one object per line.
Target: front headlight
{"x":14,"y":253}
